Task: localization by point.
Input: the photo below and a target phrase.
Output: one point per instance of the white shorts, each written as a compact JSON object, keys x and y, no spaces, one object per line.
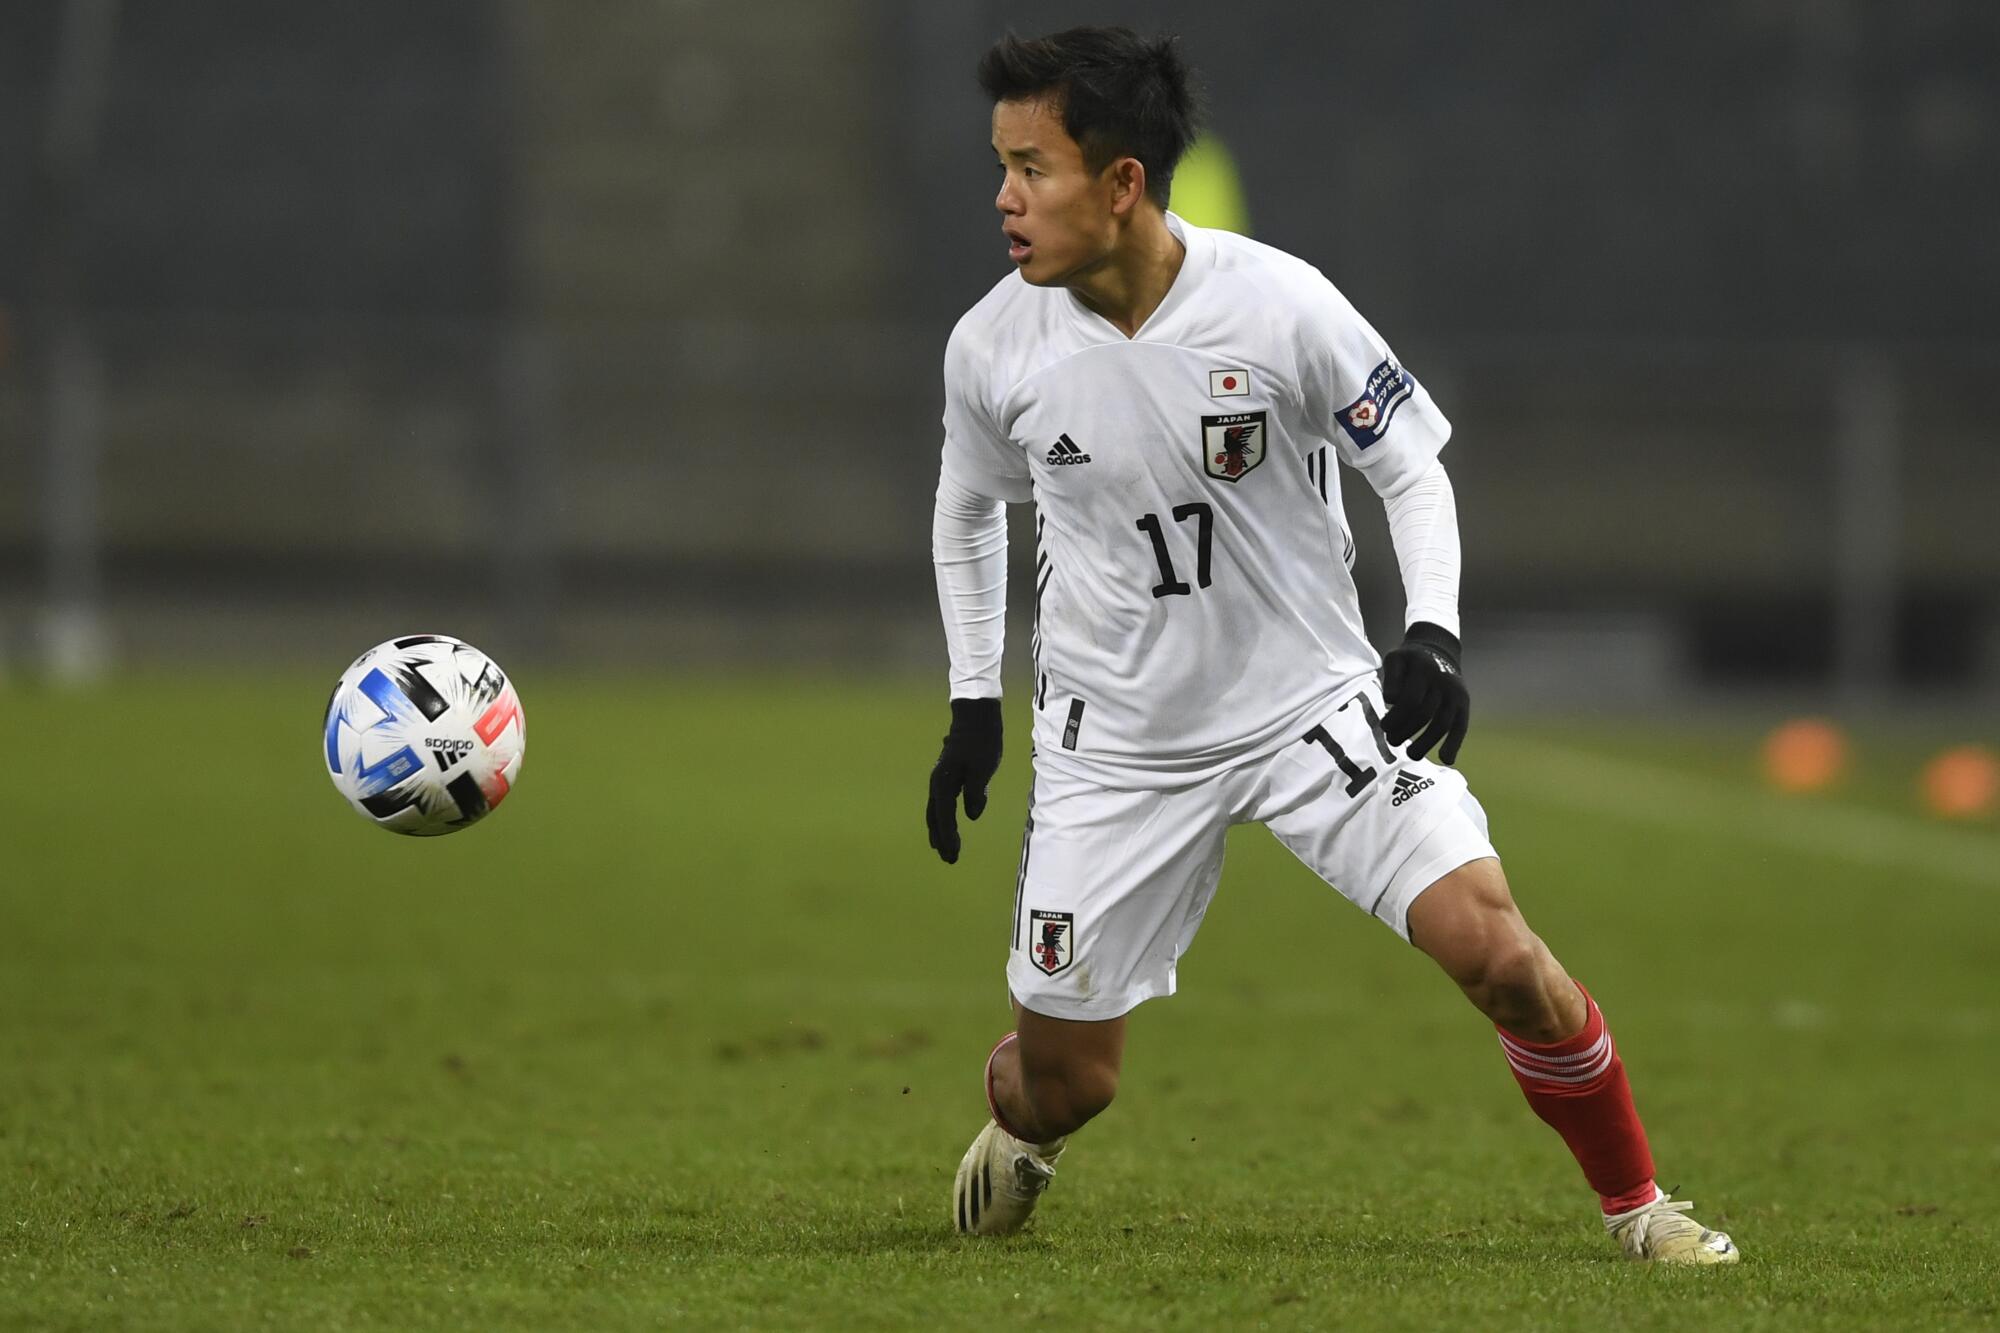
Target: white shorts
{"x":1114,"y":884}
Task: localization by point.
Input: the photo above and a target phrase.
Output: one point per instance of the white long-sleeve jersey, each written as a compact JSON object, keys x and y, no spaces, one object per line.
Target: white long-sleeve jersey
{"x":1194,"y":603}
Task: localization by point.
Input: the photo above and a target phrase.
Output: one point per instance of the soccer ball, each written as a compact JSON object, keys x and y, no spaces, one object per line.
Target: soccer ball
{"x":424,"y":735}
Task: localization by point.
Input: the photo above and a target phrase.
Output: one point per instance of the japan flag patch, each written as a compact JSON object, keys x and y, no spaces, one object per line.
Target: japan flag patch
{"x":1228,"y":383}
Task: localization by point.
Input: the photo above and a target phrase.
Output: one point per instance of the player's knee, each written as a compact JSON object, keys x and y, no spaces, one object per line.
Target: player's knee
{"x":1519,"y":986}
{"x":1509,"y":975}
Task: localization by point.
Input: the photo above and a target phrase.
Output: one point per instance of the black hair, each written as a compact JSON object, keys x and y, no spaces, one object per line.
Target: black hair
{"x":1120,"y":94}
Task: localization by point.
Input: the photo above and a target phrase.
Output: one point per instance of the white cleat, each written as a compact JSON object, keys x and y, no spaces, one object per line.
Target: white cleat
{"x":1662,"y":1232}
{"x":1000,"y":1179}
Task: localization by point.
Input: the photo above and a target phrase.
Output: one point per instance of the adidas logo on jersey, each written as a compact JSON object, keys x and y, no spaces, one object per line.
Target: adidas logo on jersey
{"x":1065,"y":451}
{"x":1407,"y":786}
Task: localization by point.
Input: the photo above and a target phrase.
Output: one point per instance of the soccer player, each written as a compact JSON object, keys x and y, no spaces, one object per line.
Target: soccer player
{"x":1173,"y":400}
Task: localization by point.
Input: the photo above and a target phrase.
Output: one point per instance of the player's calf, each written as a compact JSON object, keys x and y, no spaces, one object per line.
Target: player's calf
{"x":1051,"y":1076}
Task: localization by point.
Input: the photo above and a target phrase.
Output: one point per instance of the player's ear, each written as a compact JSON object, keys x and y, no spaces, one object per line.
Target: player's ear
{"x":1128,"y":185}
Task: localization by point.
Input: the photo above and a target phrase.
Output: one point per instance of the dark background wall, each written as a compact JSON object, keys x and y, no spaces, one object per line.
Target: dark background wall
{"x":1713,"y":171}
{"x":622,"y":323}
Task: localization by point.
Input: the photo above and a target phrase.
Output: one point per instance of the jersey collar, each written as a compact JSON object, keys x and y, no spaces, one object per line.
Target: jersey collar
{"x":1195,"y":264}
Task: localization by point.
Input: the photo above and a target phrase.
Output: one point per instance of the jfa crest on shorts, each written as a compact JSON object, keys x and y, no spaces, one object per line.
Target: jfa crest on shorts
{"x":1052,"y":937}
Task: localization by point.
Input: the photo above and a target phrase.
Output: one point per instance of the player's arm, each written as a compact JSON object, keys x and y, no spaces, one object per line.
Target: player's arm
{"x":969,"y":555}
{"x":981,"y":471}
{"x":1421,"y":680}
{"x":1386,"y":426}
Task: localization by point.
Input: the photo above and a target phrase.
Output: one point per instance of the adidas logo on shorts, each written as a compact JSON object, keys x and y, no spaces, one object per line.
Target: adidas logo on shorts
{"x":1065,"y":452}
{"x":1407,"y":786}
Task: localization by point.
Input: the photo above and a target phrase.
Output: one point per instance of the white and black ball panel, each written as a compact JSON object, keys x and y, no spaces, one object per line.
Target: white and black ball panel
{"x":424,"y":734}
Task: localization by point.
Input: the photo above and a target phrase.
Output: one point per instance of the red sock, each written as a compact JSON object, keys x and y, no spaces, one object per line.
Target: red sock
{"x":1578,"y":1087}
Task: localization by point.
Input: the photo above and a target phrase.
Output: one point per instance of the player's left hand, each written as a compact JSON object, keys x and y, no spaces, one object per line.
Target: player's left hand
{"x":968,"y":761}
{"x":1425,"y":692}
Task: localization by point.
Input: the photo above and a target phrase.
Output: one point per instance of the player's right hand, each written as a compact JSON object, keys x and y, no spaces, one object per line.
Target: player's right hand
{"x":970,"y":758}
{"x":1425,"y":692}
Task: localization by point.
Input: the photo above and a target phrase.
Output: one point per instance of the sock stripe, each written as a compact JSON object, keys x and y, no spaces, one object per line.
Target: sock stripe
{"x":1578,"y":1059}
{"x":1595,"y":1056}
{"x":1546,"y":1056}
{"x":1566,"y":1071}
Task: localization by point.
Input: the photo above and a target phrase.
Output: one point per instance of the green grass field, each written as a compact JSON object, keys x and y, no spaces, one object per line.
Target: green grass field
{"x":688,"y":1034}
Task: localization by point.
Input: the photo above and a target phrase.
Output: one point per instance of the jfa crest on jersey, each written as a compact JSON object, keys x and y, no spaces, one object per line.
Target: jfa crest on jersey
{"x":1232,"y":444}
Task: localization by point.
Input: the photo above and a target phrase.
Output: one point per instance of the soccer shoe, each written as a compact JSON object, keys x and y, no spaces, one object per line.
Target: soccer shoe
{"x":1662,"y":1232}
{"x":999,"y":1181}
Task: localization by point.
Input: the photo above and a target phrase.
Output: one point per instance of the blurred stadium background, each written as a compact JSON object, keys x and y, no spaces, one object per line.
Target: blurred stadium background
{"x":610,"y":335}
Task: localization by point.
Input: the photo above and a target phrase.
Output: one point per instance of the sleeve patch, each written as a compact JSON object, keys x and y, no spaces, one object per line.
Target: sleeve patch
{"x":1366,"y":419}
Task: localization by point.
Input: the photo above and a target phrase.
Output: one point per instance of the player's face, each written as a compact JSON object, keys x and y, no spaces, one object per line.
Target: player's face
{"x":1057,"y":214}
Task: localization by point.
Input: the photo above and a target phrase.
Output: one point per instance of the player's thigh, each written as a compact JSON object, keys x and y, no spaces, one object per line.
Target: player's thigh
{"x":1110,"y":887}
{"x":1376,"y":825}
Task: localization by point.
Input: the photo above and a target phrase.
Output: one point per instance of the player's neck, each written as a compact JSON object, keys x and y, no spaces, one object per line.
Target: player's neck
{"x":1128,"y":284}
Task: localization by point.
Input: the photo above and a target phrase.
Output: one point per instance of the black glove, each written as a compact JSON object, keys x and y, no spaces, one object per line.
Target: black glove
{"x":1425,"y":691}
{"x":970,"y":757}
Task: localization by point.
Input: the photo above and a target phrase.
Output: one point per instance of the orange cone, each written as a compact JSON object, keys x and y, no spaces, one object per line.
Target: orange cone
{"x":1962,"y":783}
{"x":1804,"y":755}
